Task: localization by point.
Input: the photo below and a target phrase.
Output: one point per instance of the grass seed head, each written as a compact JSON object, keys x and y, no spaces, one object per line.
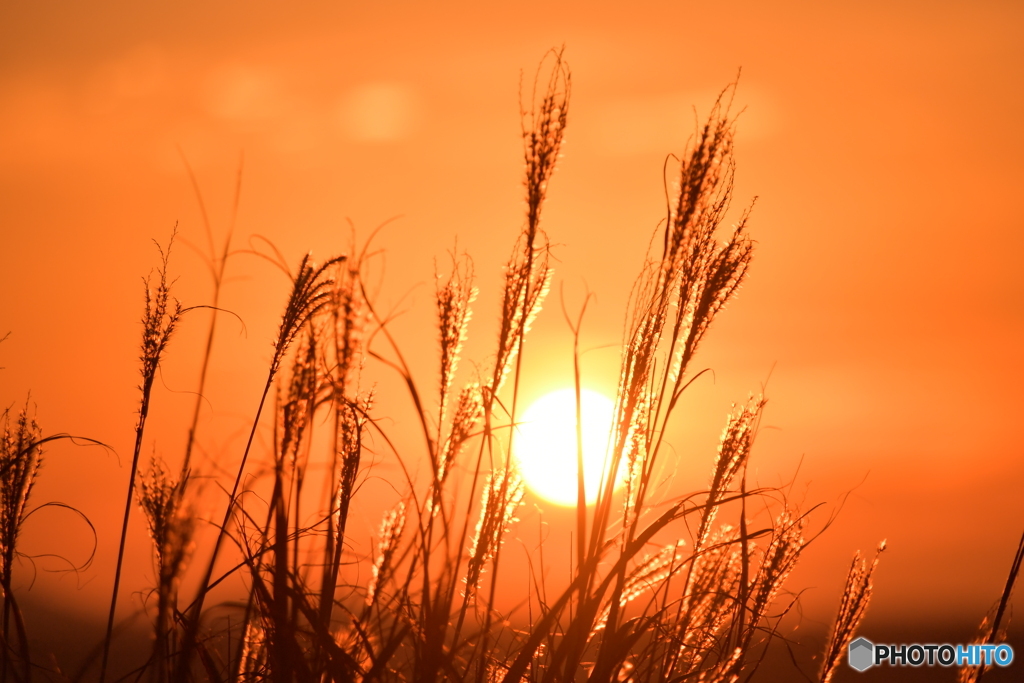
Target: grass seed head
{"x":453,"y":311}
{"x":312,"y":290}
{"x":852,"y":607}
{"x":390,"y":533}
{"x":170,"y":524}
{"x":502,"y":496}
{"x":20,"y":460}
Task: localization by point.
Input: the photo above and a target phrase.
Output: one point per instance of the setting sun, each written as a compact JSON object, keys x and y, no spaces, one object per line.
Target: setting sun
{"x":545,"y":445}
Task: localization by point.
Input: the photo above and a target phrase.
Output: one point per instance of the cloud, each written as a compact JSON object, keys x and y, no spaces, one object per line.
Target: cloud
{"x":245,"y":94}
{"x":379,"y":112}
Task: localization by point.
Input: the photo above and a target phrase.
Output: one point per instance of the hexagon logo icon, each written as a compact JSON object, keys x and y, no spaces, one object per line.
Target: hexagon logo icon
{"x":861,"y":654}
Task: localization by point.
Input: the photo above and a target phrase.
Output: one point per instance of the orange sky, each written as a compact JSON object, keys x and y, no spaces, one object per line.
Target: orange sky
{"x":886,"y":300}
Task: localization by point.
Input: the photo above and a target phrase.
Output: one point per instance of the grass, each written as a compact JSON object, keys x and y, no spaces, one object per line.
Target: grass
{"x":690,"y":588}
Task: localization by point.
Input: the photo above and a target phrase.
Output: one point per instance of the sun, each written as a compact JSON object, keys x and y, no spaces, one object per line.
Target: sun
{"x":545,"y":445}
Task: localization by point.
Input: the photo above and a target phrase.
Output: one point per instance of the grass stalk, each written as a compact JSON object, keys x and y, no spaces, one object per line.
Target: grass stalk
{"x":310,"y":293}
{"x":159,"y":322}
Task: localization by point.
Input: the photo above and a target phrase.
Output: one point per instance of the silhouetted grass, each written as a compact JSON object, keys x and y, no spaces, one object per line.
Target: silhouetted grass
{"x":685,"y":589}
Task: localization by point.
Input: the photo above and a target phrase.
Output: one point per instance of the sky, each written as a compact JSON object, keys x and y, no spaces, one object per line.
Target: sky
{"x":883,"y":315}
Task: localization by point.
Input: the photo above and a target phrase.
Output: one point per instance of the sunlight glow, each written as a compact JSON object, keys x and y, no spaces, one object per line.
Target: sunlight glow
{"x":545,"y":445}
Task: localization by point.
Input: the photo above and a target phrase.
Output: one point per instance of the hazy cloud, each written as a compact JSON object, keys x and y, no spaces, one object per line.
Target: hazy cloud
{"x":379,"y":112}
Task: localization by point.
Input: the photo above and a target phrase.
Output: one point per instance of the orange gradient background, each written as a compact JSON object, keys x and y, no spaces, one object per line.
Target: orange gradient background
{"x":884,"y":312}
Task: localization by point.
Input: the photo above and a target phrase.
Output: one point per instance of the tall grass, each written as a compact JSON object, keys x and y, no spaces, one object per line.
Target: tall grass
{"x":21,"y":458}
{"x":691,"y":587}
{"x":158,"y":324}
